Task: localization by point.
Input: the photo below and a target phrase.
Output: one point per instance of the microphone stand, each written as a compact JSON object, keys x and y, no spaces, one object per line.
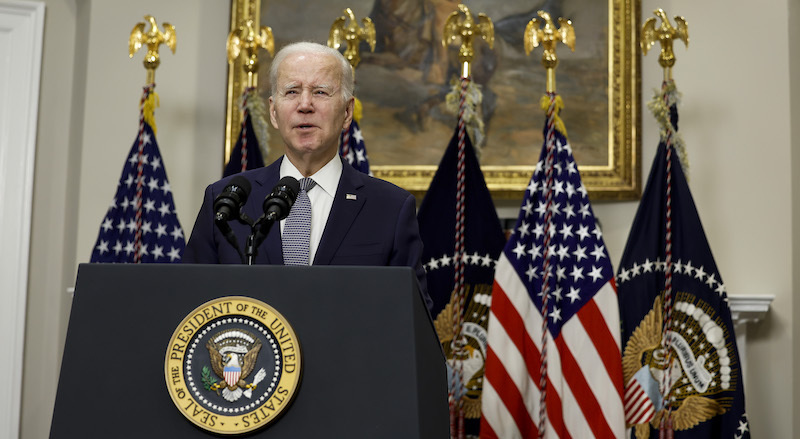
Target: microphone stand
{"x":258,"y":232}
{"x":226,"y":230}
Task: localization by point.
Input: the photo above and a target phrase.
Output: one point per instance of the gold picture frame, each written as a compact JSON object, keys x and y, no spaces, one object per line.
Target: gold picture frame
{"x":613,"y":171}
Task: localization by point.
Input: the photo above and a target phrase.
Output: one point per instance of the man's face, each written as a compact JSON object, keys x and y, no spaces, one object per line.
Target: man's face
{"x":307,"y":107}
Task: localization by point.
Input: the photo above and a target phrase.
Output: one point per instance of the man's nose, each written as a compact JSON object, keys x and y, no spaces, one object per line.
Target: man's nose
{"x":306,"y":103}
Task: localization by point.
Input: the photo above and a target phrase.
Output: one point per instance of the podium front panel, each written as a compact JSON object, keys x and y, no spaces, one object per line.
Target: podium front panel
{"x":372,"y":364}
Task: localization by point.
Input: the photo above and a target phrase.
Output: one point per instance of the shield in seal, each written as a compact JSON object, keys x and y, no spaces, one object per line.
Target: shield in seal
{"x":233,"y":365}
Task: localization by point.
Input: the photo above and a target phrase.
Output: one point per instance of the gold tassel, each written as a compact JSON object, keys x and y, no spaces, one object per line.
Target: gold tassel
{"x":149,"y":108}
{"x":544,"y":103}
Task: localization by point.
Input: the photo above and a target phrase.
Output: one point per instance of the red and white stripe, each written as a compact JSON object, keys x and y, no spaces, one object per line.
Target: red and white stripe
{"x":638,"y":406}
{"x":584,"y":370}
{"x":232,"y":376}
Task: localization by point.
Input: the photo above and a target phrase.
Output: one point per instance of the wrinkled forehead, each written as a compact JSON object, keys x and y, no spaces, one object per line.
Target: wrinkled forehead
{"x":308,"y":70}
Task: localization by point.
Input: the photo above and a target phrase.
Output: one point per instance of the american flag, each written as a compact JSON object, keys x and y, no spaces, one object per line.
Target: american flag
{"x":674,"y":309}
{"x":353,"y":150}
{"x":556,"y":238}
{"x":140,"y":224}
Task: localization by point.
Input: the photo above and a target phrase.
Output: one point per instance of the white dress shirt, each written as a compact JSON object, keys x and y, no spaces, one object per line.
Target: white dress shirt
{"x":321,"y":197}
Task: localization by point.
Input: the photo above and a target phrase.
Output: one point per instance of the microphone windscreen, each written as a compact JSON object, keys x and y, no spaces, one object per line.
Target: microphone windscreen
{"x":291,"y":184}
{"x":231,"y":199}
{"x":243,"y":184}
{"x":279,"y":202}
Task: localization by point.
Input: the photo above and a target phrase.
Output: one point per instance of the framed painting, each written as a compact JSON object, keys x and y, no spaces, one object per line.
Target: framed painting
{"x":403,"y":83}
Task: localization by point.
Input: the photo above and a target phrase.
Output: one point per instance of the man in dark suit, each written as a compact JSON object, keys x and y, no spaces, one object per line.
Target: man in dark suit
{"x":355,"y":219}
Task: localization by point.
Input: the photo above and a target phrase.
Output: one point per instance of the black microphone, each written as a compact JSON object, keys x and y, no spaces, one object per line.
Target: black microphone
{"x":276,"y":207}
{"x":232,"y":198}
{"x":279,"y":202}
{"x":227,"y":206}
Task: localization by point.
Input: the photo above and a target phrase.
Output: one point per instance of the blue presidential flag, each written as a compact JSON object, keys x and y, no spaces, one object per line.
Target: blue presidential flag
{"x":680,"y":361}
{"x":246,"y":154}
{"x":483,"y":242}
{"x":141,"y":224}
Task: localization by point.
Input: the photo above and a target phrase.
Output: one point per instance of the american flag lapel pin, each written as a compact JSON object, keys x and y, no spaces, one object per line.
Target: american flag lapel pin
{"x":350,"y":197}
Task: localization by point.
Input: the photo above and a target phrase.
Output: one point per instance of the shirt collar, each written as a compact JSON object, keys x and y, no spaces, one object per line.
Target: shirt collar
{"x":326,"y":178}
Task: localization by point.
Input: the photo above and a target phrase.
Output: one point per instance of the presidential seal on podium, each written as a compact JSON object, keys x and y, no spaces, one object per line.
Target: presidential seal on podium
{"x":233,"y":365}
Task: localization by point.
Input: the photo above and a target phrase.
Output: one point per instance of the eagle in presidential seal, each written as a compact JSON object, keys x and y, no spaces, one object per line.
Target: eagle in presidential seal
{"x":469,"y":373}
{"x":700,"y":373}
{"x":233,"y":365}
{"x":233,"y":356}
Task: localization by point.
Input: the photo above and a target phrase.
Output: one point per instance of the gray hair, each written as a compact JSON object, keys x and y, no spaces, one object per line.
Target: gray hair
{"x":347,"y":82}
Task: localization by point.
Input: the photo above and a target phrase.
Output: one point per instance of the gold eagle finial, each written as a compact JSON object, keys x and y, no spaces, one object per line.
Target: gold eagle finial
{"x":153,"y":38}
{"x":467,"y":29}
{"x":352,"y":34}
{"x":664,"y":34}
{"x":549,"y":37}
{"x":246,"y":40}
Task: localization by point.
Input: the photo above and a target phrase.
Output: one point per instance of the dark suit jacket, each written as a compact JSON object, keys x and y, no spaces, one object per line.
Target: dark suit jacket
{"x":372,"y":222}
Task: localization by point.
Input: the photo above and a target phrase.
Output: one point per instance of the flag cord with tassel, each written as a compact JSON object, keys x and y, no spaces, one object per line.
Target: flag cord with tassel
{"x":146,"y":113}
{"x":457,"y":344}
{"x":665,"y":427}
{"x":243,"y":137}
{"x":550,"y":101}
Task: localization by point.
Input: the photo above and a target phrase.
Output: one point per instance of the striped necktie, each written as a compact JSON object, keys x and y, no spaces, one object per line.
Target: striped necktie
{"x":297,"y":228}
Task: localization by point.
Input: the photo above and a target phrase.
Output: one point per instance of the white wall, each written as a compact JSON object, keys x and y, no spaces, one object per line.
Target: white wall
{"x":88,"y":117}
{"x":736,"y":120}
{"x":794,"y":88}
{"x":190,"y":121}
{"x":53,"y":222}
{"x":21,"y":40}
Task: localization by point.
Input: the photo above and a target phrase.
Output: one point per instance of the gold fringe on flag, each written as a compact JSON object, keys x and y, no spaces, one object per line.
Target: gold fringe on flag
{"x":149,"y":108}
{"x":472,"y":105}
{"x":660,"y":104}
{"x":258,"y":116}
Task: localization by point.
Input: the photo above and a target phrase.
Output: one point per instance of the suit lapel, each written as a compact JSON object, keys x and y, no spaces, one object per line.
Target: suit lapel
{"x":347,"y":204}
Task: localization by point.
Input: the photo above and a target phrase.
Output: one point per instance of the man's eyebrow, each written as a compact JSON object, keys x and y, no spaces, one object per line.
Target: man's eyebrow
{"x":289,"y":86}
{"x":294,"y":85}
{"x":331,"y":89}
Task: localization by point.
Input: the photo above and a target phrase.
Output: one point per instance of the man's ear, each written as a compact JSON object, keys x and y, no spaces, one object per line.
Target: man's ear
{"x":348,"y":113}
{"x":273,"y":115}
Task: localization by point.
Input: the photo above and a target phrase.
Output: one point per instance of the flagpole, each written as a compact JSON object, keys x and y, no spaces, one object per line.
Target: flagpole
{"x":665,"y":35}
{"x":686,"y":301}
{"x":137,"y":241}
{"x":350,"y":33}
{"x":464,"y":28}
{"x":548,"y":37}
{"x":244,"y":42}
{"x":153,"y":38}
